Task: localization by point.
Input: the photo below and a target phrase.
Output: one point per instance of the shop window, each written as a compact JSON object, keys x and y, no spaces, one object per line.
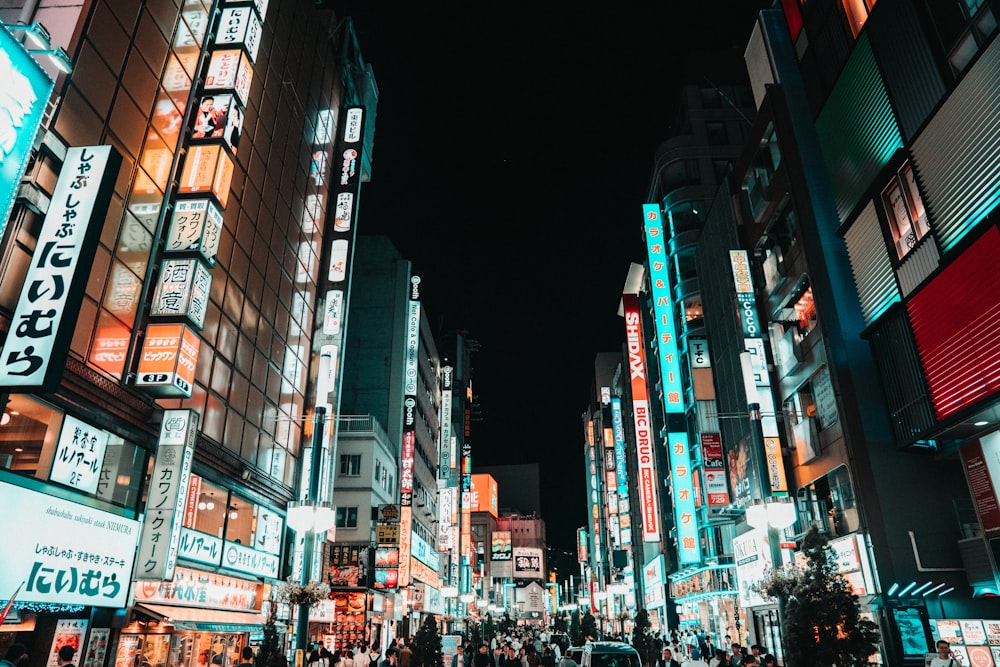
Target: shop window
{"x":830,"y":503}
{"x":240,"y":521}
{"x":856,"y":12}
{"x":39,"y":441}
{"x":347,"y":517}
{"x":209,"y":513}
{"x":350,"y":465}
{"x":693,"y":311}
{"x":904,"y":210}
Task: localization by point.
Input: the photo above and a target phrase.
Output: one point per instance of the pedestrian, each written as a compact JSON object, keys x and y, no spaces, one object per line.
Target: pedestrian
{"x":769,"y":661}
{"x":667,"y":659}
{"x":719,"y":659}
{"x":944,"y":657}
{"x":391,"y":657}
{"x":66,"y":654}
{"x":373,"y":655}
{"x":16,"y":655}
{"x":404,"y":655}
{"x":247,"y":655}
{"x":548,"y":660}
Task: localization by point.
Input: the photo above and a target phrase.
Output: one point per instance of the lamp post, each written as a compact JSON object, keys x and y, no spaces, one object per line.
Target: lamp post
{"x":308,"y":518}
{"x":449,"y":593}
{"x":466,"y":599}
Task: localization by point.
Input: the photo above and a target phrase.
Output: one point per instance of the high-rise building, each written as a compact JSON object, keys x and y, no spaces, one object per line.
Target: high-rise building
{"x":170,"y":281}
{"x":392,"y":377}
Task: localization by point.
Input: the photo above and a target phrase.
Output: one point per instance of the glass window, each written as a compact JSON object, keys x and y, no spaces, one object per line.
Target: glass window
{"x":39,"y":441}
{"x":856,"y":12}
{"x":830,"y":502}
{"x":350,"y":464}
{"x":904,"y":210}
{"x":209,"y":513}
{"x":347,"y":517}
{"x":239,"y":521}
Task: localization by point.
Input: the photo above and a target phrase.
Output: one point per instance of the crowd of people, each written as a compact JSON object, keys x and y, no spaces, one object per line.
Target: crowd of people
{"x":695,"y":648}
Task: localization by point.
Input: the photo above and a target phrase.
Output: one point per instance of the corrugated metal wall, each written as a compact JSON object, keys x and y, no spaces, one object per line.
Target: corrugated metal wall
{"x":956,"y":323}
{"x":910,"y":409}
{"x":857,"y":129}
{"x":957,"y":156}
{"x":873,"y":275}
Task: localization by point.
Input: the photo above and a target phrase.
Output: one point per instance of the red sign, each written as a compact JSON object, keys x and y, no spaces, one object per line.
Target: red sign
{"x":648,"y":481}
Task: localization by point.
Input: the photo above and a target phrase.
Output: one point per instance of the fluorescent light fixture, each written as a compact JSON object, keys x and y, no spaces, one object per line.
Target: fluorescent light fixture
{"x":907,"y":589}
{"x":892,"y":589}
{"x":58,"y":56}
{"x":946,"y":591}
{"x":980,"y":423}
{"x":916,"y":591}
{"x":936,"y":588}
{"x":36,"y":32}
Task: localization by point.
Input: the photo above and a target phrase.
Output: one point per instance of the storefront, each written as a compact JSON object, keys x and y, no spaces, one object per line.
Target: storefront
{"x":66,"y":566}
{"x":707,"y":598}
{"x":195,"y":620}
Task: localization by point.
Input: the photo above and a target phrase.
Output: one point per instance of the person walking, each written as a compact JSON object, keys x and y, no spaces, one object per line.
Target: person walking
{"x":246,"y":655}
{"x":391,"y":657}
{"x":66,"y":654}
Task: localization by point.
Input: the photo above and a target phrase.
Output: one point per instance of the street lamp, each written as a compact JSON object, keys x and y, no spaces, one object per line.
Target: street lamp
{"x":449,"y":593}
{"x":308,"y":518}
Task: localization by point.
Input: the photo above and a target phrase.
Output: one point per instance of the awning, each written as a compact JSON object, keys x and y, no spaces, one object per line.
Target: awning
{"x":205,"y":620}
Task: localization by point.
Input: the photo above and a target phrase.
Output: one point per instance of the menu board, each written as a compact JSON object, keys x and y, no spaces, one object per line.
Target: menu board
{"x":69,"y":632}
{"x":973,"y":632}
{"x":980,"y":656}
{"x":993,"y":632}
{"x":97,"y":648}
{"x":348,"y":627}
{"x":949,"y":630}
{"x":974,"y":642}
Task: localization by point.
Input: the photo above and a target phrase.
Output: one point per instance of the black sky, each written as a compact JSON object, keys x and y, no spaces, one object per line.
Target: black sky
{"x":513,"y":149}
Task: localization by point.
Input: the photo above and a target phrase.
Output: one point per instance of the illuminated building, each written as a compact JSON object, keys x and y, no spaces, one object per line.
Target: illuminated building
{"x":171,"y":409}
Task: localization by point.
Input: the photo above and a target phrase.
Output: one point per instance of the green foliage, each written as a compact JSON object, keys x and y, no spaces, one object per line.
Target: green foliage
{"x":574,"y":629}
{"x":642,"y":640}
{"x":427,"y":645}
{"x":588,"y":628}
{"x":821,"y":619}
{"x":269,"y":652}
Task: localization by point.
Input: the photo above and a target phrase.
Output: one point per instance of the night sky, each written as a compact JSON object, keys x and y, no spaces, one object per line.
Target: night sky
{"x":513,"y":151}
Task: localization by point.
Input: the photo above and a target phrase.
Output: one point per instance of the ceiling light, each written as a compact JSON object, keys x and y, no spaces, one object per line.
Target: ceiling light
{"x":980,"y":423}
{"x":5,"y":419}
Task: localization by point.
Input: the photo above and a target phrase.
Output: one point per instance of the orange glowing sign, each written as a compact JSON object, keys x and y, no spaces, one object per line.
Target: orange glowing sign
{"x":207,"y":169}
{"x":484,"y":494}
{"x":169,"y":356}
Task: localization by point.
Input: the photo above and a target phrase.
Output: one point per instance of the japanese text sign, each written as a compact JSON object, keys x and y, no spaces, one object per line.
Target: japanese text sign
{"x":81,"y":555}
{"x":169,"y":356}
{"x":34,"y":353}
{"x":196,"y":225}
{"x":79,"y":455}
{"x":167,"y":496}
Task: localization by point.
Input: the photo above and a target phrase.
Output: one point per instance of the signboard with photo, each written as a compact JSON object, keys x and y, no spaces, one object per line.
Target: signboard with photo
{"x":219,"y":116}
{"x":68,"y":633}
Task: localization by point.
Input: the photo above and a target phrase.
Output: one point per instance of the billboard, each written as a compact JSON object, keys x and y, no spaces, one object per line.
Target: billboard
{"x":528,"y":563}
{"x":484,"y":495}
{"x":26,"y":90}
{"x":500,"y":549}
{"x":648,"y":480}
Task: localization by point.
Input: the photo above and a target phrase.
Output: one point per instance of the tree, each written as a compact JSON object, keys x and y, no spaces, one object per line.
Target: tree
{"x":574,"y":629}
{"x":427,"y":645}
{"x":588,"y":628}
{"x":269,"y":653}
{"x":821,"y":618}
{"x":642,"y":641}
